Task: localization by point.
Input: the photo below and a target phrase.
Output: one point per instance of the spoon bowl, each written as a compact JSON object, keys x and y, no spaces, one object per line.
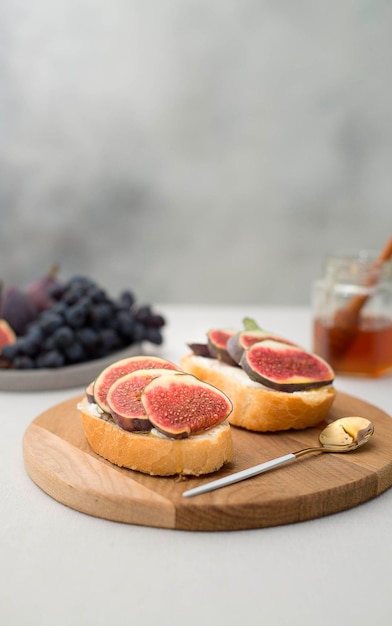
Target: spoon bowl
{"x":342,"y":435}
{"x":346,"y":433}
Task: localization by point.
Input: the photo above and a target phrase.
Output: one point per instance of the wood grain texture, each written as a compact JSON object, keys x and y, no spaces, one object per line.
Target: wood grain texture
{"x":59,"y":460}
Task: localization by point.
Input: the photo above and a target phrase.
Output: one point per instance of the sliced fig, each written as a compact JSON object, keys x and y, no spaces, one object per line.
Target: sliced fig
{"x":7,"y":335}
{"x":239,"y":342}
{"x":124,"y":399}
{"x":217,"y":344}
{"x":89,"y":391}
{"x":125,"y":366}
{"x":285,"y":367}
{"x":179,"y":405}
{"x":199,"y":349}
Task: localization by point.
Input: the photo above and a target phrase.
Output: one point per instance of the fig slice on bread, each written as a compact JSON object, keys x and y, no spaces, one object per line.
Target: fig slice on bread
{"x":217,"y":339}
{"x":238,"y":343}
{"x":89,"y":391}
{"x":148,"y":428}
{"x":285,"y":367}
{"x":124,"y":399}
{"x":201,"y":349}
{"x":276,"y":385}
{"x":110,"y":374}
{"x":252,"y":333}
{"x":180,"y":405}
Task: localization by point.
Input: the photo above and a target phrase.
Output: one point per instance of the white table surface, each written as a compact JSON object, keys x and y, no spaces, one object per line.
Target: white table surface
{"x":61,"y":567}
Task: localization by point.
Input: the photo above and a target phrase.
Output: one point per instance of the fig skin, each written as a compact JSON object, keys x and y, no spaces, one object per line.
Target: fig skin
{"x":18,"y":309}
{"x":89,"y":391}
{"x":39,"y":290}
{"x":199,"y":349}
{"x":217,"y":339}
{"x":124,"y":399}
{"x":285,"y":367}
{"x":239,"y":342}
{"x":114,"y":371}
{"x":180,"y":405}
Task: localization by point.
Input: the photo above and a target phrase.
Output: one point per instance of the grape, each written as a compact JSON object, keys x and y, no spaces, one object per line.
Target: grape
{"x":88,"y":337}
{"x":48,"y":343}
{"x":23,"y":362}
{"x":34,"y":333}
{"x":52,"y":358}
{"x":75,"y":316}
{"x":49,"y":321}
{"x":72,"y":296}
{"x":97,"y":295}
{"x":56,"y":291}
{"x":75,"y":353}
{"x":10,"y":352}
{"x":59,"y":307}
{"x":63,"y":337}
{"x":83,"y":323}
{"x":138,"y":332}
{"x":143,"y":313}
{"x":79,"y":280}
{"x":155,"y":320}
{"x":110,"y":340}
{"x":153,"y":335}
{"x":29,"y":345}
{"x":100,"y":313}
{"x":126,"y":299}
{"x":125,"y":324}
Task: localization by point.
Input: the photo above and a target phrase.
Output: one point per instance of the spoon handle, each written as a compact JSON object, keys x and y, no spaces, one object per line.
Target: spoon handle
{"x":250,"y":472}
{"x":242,"y":475}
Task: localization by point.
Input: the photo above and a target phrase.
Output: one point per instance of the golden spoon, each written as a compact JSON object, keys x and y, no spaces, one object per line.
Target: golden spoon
{"x":342,"y":435}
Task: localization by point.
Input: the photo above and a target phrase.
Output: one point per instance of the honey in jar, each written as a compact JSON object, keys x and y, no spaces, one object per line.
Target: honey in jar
{"x":352,"y":315}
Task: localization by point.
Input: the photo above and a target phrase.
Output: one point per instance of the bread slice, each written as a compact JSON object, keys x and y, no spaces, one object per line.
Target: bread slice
{"x":257,"y":407}
{"x":154,"y":453}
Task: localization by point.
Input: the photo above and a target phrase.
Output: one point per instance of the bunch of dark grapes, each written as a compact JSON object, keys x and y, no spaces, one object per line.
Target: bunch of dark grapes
{"x":83,"y":323}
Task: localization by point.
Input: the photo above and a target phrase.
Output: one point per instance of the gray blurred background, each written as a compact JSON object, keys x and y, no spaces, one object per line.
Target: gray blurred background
{"x":208,"y":151}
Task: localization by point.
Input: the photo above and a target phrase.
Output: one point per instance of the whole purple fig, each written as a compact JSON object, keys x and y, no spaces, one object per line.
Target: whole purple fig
{"x":39,"y":290}
{"x":18,"y":309}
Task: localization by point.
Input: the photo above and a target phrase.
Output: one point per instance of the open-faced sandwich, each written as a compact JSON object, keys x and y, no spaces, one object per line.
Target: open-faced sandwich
{"x":146,"y":414}
{"x":273,"y":384}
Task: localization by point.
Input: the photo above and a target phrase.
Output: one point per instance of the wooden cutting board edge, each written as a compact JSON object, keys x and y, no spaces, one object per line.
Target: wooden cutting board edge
{"x":59,"y":460}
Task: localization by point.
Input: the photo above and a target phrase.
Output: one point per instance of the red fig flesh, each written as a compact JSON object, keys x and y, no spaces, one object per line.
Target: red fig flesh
{"x":114,"y":371}
{"x":285,"y":367}
{"x":217,"y":344}
{"x":7,"y":335}
{"x":180,"y":405}
{"x":124,"y":399}
{"x":239,"y":342}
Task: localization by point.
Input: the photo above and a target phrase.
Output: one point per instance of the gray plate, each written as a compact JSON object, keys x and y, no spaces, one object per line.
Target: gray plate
{"x":62,"y":377}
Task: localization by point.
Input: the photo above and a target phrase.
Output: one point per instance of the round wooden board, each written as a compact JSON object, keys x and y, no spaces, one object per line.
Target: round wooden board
{"x":59,"y":460}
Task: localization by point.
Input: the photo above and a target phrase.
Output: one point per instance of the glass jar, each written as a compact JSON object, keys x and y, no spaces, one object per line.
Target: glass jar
{"x":352,"y":314}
